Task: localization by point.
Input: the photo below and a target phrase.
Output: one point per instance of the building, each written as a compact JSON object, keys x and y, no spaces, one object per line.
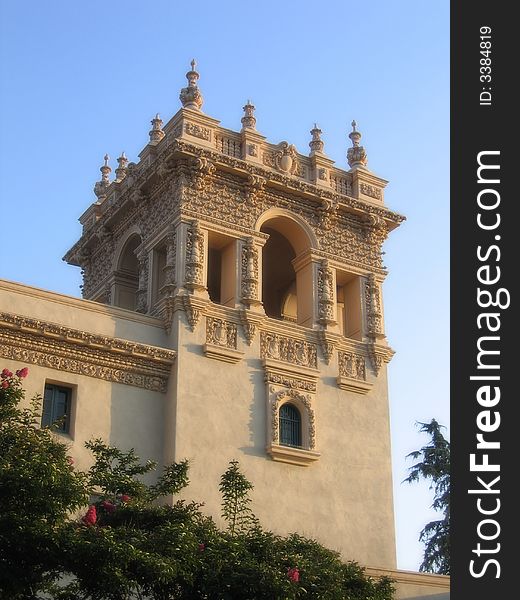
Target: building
{"x":232,"y":309}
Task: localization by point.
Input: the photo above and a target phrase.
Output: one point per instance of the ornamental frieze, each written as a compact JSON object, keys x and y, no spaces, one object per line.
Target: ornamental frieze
{"x":65,"y":349}
{"x":287,"y":349}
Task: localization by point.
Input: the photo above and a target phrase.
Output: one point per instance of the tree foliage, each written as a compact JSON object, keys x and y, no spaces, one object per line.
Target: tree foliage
{"x":125,"y":544}
{"x":434,"y":466}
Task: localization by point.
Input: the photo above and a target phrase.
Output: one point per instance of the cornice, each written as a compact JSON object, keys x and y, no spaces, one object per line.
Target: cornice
{"x":103,"y":357}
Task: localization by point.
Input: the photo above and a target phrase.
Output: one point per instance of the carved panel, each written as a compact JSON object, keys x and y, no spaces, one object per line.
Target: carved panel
{"x":249,"y":272}
{"x":352,"y":365}
{"x":325,"y":293}
{"x":370,"y":190}
{"x":286,"y":349}
{"x":197,"y":131}
{"x":221,"y":333}
{"x":194,"y":256}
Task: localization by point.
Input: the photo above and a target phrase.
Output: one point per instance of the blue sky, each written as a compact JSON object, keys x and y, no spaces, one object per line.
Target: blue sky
{"x":79,"y":79}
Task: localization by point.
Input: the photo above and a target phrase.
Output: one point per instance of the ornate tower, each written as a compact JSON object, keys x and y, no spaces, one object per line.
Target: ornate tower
{"x":264,"y":268}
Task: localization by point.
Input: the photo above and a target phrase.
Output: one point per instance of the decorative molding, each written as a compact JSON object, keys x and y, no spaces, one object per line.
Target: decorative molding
{"x":249,"y":274}
{"x":194,"y":257}
{"x":61,"y":348}
{"x":370,"y":190}
{"x":352,"y":373}
{"x":325,"y":294}
{"x":193,"y":307}
{"x":287,"y":349}
{"x":221,"y":340}
{"x":251,"y":321}
{"x":197,"y":131}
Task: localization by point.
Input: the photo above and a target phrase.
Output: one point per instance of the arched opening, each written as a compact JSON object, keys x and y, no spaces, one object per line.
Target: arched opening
{"x":287,"y":274}
{"x":127,"y":275}
{"x":279,"y":277}
{"x":290,"y":422}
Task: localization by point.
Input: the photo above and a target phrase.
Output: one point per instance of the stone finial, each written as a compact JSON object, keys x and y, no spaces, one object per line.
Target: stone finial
{"x":248,"y":120}
{"x":316,"y":144}
{"x":156,"y":133}
{"x":190,"y":96}
{"x":101,"y":186}
{"x":356,"y":156}
{"x":122,"y":168}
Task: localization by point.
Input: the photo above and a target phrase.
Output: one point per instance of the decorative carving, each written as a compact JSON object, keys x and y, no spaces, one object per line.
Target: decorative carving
{"x":291,"y":350}
{"x":249,"y":273}
{"x":197,"y":131}
{"x":341,"y":185}
{"x":250,"y":321}
{"x":327,"y":344}
{"x":62,"y":348}
{"x":286,"y":158}
{"x":156,"y":133}
{"x":373,"y":307}
{"x":325,"y":294}
{"x":194,"y":257}
{"x":142,"y":290}
{"x":370,"y":190}
{"x":122,"y":167}
{"x":169,"y":267}
{"x":190,"y":96}
{"x":289,"y":382}
{"x":100,"y":188}
{"x":201,"y":168}
{"x":193,"y":309}
{"x":377,"y":230}
{"x":221,"y":333}
{"x":299,"y":398}
{"x":248,"y":120}
{"x":316,"y":143}
{"x":254,"y":187}
{"x":352,"y":365}
{"x":356,"y":156}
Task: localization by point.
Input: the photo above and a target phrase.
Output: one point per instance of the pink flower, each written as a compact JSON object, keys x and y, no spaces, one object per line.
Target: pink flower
{"x":22,"y":373}
{"x":6,"y":374}
{"x":125,"y":498}
{"x":108,"y":506}
{"x":5,"y":384}
{"x":91,"y":517}
{"x":202,"y":547}
{"x":294,"y":574}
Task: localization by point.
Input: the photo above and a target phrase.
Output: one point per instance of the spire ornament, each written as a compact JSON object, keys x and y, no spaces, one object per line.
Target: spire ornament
{"x":156,"y":133}
{"x":356,"y":156}
{"x":122,"y":168}
{"x":190,"y":96}
{"x":248,"y":120}
{"x":101,"y":186}
{"x":316,"y":144}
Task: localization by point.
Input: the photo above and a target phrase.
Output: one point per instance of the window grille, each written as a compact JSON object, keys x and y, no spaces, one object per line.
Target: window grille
{"x":290,"y":426}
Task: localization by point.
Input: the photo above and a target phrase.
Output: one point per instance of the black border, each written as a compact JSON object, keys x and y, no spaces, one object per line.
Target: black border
{"x":476,"y":128}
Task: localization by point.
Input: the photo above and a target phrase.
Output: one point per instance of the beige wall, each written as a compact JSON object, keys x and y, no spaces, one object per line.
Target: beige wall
{"x":344,"y":499}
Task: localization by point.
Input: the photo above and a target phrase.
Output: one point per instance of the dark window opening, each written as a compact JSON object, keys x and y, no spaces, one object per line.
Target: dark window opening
{"x":290,"y":426}
{"x":56,"y":407}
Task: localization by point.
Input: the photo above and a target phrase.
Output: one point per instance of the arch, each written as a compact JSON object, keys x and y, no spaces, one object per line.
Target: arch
{"x":287,"y":271}
{"x":126,"y":270}
{"x":302,"y":403}
{"x":135,"y":230}
{"x":291,"y":226}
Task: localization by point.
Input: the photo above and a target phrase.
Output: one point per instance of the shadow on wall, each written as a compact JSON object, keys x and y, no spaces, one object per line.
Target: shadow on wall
{"x":443,"y":596}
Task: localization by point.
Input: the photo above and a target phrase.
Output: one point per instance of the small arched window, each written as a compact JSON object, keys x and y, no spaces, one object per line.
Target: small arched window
{"x":290,"y":426}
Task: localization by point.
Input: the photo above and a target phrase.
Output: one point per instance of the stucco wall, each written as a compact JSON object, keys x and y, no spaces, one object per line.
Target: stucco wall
{"x":344,"y":499}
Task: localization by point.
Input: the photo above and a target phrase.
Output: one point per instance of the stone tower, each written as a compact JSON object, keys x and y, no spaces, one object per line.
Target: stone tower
{"x":264,"y":267}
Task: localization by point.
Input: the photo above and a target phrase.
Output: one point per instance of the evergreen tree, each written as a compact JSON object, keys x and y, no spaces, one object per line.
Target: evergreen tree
{"x":434,"y":466}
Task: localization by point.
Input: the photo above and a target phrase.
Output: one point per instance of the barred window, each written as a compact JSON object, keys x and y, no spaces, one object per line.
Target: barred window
{"x":290,"y":426}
